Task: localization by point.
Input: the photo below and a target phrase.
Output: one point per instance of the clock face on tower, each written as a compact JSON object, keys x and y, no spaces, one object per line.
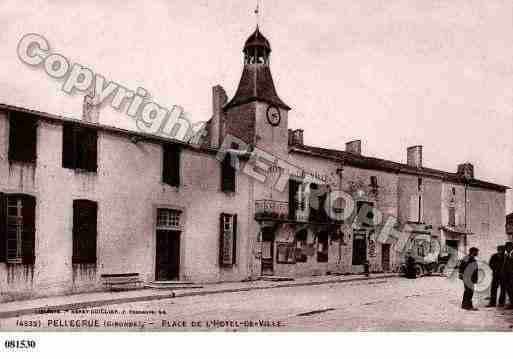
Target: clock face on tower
{"x":273,"y":115}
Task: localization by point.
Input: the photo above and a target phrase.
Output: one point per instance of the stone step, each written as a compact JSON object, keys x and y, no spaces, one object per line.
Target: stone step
{"x":172,"y":285}
{"x":273,"y":278}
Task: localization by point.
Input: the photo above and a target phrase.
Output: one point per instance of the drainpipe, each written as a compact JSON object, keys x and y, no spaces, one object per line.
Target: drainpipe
{"x":465,"y":215}
{"x":340,"y":172}
{"x":252,"y":242}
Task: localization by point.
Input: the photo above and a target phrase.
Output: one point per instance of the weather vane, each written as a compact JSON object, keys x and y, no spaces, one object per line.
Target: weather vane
{"x":257,"y":13}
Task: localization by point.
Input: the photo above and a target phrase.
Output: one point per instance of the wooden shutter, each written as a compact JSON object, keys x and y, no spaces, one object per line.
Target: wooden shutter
{"x":227,"y":175}
{"x":85,"y":219}
{"x":234,"y":238}
{"x":29,"y":229}
{"x":171,"y":165}
{"x":91,"y":150}
{"x":227,"y":245}
{"x":13,"y":138}
{"x":22,"y":137}
{"x":293,"y":188}
{"x":221,"y":233}
{"x":3,"y":227}
{"x":68,"y":146}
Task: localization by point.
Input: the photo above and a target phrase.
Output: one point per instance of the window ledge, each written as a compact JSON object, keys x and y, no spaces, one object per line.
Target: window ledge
{"x":81,"y":171}
{"x":229,"y":194}
{"x":23,"y":163}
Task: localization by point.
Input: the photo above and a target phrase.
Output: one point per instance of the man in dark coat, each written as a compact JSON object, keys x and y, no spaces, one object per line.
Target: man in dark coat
{"x":508,"y":272}
{"x":468,"y":273}
{"x":411,"y":271}
{"x":497,"y":266}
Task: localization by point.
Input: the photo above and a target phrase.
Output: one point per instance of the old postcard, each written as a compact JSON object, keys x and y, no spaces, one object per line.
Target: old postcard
{"x":255,"y":166}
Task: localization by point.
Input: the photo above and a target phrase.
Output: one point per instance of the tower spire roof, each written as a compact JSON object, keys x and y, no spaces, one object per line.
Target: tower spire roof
{"x":256,"y":83}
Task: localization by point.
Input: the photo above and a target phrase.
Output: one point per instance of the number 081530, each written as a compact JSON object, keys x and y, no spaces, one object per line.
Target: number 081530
{"x":20,"y":344}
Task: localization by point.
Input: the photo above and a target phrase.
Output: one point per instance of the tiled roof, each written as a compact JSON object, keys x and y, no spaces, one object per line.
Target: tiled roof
{"x":109,"y":129}
{"x":359,"y":161}
{"x":256,"y":84}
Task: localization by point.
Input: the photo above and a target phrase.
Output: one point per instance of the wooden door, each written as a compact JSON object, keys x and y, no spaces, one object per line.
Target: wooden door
{"x":168,"y":255}
{"x":267,"y":251}
{"x":359,"y":247}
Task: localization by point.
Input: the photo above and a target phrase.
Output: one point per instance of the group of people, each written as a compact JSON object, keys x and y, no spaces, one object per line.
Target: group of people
{"x":501,"y":264}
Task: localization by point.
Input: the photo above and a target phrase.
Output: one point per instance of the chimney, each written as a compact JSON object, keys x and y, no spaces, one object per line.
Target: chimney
{"x":90,"y":112}
{"x":296,"y":137}
{"x":219,"y":99}
{"x":466,"y":170}
{"x":414,"y":156}
{"x":354,"y":147}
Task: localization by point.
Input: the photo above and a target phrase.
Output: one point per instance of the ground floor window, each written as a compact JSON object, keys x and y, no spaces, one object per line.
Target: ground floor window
{"x":17,"y":228}
{"x":169,"y":219}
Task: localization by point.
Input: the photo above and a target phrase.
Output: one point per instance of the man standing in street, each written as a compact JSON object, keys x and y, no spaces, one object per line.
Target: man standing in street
{"x":468,"y":273}
{"x":508,"y":273}
{"x":497,"y":266}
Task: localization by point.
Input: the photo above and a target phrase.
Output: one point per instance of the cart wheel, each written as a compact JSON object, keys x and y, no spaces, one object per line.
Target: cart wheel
{"x":441,"y":269}
{"x":401,"y":270}
{"x":419,"y":270}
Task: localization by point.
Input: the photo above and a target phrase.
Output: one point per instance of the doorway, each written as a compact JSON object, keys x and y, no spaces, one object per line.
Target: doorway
{"x":169,"y":231}
{"x":452,"y":247}
{"x":168,"y":255}
{"x":385,"y":257}
{"x":267,"y":251}
{"x":359,"y":247}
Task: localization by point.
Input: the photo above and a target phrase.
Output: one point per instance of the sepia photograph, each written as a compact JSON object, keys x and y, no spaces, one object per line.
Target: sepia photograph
{"x":255,"y":166}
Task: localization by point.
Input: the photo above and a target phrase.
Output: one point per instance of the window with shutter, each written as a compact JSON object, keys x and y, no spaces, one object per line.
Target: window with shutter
{"x":85,"y":218}
{"x":22,"y":137}
{"x":171,"y":165}
{"x":228,"y":174}
{"x":79,"y":148}
{"x":18,"y":215}
{"x":228,"y":240}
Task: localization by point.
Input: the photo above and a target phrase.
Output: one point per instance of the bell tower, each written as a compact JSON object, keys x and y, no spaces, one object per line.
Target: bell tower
{"x":256,"y":114}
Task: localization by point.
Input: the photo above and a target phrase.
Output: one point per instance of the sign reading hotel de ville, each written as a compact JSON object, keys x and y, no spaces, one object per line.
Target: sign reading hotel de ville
{"x":255,"y":166}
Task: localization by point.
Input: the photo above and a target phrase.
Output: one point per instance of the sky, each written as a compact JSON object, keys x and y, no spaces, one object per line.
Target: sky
{"x":392,"y":73}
